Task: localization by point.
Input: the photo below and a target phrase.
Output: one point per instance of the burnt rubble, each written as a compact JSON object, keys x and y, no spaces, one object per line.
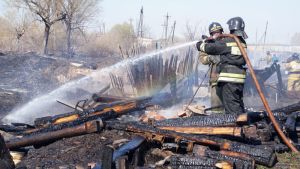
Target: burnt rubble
{"x":205,"y":141}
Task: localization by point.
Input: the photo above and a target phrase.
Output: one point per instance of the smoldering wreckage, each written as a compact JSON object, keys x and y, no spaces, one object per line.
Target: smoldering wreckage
{"x":193,"y":139}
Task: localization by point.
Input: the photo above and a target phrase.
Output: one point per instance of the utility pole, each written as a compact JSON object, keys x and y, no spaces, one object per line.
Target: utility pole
{"x":165,"y":30}
{"x":140,"y":25}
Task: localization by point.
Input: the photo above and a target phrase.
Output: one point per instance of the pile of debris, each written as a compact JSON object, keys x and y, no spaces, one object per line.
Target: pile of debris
{"x":197,"y":141}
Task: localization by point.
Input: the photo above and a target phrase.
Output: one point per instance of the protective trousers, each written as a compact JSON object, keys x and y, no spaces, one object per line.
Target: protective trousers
{"x":231,"y":95}
{"x":215,"y":101}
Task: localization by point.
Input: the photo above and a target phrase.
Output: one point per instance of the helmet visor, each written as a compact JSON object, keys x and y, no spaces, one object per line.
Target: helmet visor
{"x":240,"y":33}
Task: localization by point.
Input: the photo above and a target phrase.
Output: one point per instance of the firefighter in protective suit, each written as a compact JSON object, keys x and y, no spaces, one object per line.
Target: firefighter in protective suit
{"x":232,"y":74}
{"x":215,"y":29}
{"x":293,"y":68}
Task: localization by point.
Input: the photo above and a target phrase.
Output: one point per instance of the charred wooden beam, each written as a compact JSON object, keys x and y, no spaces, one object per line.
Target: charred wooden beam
{"x":107,"y":99}
{"x":41,"y":138}
{"x":119,"y":107}
{"x":204,"y":121}
{"x":265,"y":157}
{"x":229,"y":131}
{"x":189,"y":162}
{"x":240,"y":161}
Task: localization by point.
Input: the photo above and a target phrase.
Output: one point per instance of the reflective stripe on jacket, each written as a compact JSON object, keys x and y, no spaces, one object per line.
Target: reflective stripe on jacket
{"x":232,"y":77}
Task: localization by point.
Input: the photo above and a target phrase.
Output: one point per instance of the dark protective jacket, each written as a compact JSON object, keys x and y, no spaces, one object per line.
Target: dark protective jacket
{"x":213,"y":74}
{"x":231,"y":66}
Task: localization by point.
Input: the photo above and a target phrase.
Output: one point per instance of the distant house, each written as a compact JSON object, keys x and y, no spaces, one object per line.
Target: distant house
{"x":145,"y":42}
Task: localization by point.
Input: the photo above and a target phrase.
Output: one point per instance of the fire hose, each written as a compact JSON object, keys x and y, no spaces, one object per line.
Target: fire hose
{"x":287,"y":141}
{"x":197,"y":89}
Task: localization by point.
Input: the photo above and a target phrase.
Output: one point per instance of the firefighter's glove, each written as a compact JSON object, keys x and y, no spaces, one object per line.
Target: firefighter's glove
{"x":198,"y":44}
{"x":214,"y":59}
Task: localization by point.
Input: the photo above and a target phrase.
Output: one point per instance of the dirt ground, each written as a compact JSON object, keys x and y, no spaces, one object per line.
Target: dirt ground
{"x":72,"y":152}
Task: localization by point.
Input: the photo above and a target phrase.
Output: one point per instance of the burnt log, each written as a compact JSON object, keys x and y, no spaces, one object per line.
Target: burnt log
{"x":265,"y":156}
{"x":119,"y":107}
{"x":228,"y":131}
{"x":46,"y":137}
{"x":189,"y":162}
{"x":240,"y":161}
{"x":203,"y":121}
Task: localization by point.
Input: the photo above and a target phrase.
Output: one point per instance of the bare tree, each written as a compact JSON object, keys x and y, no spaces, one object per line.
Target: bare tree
{"x":20,"y":22}
{"x":77,"y":12}
{"x":192,"y":32}
{"x":49,"y":12}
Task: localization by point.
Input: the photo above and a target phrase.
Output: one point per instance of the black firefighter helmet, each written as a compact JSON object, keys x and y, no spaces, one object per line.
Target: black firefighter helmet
{"x":237,"y":27}
{"x":214,"y":27}
{"x":294,"y":57}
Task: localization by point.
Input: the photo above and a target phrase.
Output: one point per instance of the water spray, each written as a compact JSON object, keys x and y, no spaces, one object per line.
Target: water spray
{"x":36,"y":105}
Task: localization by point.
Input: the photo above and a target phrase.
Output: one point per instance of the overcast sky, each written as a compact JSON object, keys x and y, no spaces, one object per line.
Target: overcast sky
{"x":282,"y":16}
